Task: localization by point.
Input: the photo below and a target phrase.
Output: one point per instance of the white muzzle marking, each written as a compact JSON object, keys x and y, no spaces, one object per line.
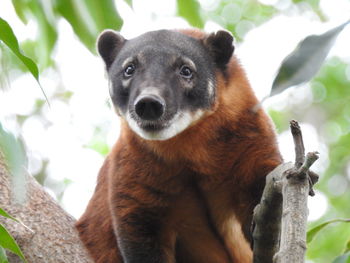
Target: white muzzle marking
{"x":176,"y":125}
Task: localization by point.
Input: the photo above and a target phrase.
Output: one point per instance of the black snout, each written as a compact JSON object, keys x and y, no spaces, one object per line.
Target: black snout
{"x":149,"y":107}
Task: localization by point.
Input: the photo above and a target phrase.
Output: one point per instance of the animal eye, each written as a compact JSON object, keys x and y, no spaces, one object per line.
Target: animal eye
{"x":129,"y":70}
{"x":186,"y":72}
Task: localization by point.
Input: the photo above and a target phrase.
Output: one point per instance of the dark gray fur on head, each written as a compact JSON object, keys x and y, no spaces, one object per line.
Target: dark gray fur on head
{"x":158,"y":61}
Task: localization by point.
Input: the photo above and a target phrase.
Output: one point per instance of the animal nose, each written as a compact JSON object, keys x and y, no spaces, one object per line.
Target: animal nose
{"x":149,"y":107}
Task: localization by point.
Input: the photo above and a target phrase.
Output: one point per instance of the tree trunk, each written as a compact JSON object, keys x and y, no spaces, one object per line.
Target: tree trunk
{"x":52,"y":236}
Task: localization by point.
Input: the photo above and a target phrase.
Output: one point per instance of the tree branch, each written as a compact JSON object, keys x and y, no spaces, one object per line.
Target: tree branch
{"x":52,"y":237}
{"x":294,"y":215}
{"x":298,"y":143}
{"x":267,"y":217}
{"x":281,"y":216}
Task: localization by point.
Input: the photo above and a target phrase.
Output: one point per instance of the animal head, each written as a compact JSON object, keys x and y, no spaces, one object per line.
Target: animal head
{"x":163,"y":81}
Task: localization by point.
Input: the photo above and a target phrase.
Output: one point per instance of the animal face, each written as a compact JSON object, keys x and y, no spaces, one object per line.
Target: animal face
{"x":163,"y":81}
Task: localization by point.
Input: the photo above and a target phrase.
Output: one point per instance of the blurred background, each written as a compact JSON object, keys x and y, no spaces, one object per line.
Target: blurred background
{"x":66,"y":143}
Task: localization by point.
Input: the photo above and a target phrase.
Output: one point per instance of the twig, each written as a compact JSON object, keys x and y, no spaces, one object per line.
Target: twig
{"x":298,"y":143}
{"x":300,"y":154}
{"x":311,"y":157}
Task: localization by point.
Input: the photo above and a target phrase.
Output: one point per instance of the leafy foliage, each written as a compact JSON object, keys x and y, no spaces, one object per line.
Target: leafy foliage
{"x":239,"y":16}
{"x":345,"y":258}
{"x":3,"y":257}
{"x":46,"y":27}
{"x":328,"y":113}
{"x":312,"y":232}
{"x":13,"y":152}
{"x":10,"y":40}
{"x":5,"y":214}
{"x":100,"y":15}
{"x":7,"y":241}
{"x":190,"y":10}
{"x":306,"y":60}
{"x":347,"y":248}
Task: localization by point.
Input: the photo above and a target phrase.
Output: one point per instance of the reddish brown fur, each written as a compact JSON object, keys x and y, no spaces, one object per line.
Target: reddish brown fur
{"x":203,"y":182}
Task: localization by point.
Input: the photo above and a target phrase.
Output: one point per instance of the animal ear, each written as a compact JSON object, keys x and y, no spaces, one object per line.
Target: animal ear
{"x":109,"y":44}
{"x":220,"y":45}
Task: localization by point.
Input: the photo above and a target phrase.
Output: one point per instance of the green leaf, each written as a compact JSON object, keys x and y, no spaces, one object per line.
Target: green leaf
{"x":8,"y":242}
{"x":3,"y":257}
{"x":20,"y":7}
{"x":10,"y":40}
{"x":12,"y":149}
{"x":71,"y":10}
{"x":190,"y":10}
{"x":129,"y":2}
{"x":313,"y":232}
{"x":13,"y":152}
{"x":345,"y":258}
{"x":99,"y":146}
{"x":89,"y":17}
{"x":5,"y":214}
{"x":347,"y":247}
{"x":306,"y":60}
{"x":43,"y":14}
{"x":47,"y":31}
{"x":104,"y":14}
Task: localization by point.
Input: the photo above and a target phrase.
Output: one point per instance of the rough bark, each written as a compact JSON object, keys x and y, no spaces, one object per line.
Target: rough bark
{"x":52,"y":237}
{"x":267,"y":217}
{"x":296,"y":188}
{"x":281,"y":217}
